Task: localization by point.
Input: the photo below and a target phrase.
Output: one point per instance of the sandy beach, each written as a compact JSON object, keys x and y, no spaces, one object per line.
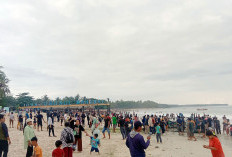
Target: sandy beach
{"x":173,"y":144}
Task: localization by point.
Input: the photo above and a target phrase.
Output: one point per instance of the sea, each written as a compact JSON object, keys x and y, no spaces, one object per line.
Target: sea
{"x":218,"y":111}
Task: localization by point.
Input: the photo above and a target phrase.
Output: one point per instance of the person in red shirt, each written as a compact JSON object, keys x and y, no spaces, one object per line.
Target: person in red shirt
{"x":58,"y":152}
{"x":214,"y":145}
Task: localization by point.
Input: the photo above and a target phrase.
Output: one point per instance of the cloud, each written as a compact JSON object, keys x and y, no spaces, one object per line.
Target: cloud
{"x":170,"y":51}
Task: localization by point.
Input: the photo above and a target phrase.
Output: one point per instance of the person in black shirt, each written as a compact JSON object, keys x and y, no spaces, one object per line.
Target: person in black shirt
{"x":83,"y":118}
{"x":217,"y":126}
{"x":106,"y":126}
{"x":58,"y":117}
{"x":127,"y":126}
{"x":72,"y":121}
{"x":31,"y":114}
{"x":122,"y":127}
{"x":21,"y":122}
{"x":146,"y":125}
{"x":77,"y":130}
{"x":209,"y":121}
{"x":39,"y":121}
{"x":88,"y":120}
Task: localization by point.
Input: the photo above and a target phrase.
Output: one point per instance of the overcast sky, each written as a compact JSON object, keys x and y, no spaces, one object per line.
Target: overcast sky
{"x":172,"y":51}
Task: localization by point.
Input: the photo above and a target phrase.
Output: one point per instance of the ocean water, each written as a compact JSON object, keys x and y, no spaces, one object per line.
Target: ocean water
{"x":187,"y":111}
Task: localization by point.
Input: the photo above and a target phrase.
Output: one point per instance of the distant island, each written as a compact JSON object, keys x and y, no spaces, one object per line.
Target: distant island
{"x":151,"y":104}
{"x":197,"y":105}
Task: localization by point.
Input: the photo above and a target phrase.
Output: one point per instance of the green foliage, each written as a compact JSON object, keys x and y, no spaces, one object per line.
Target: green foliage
{"x":9,"y":101}
{"x":24,"y":98}
{"x":136,"y":104}
{"x":4,"y":89}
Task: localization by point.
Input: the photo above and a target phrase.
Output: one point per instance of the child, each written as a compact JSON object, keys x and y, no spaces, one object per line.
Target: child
{"x":37,"y":150}
{"x":158,"y":133}
{"x":95,"y":142}
{"x":58,"y":152}
{"x":34,"y":122}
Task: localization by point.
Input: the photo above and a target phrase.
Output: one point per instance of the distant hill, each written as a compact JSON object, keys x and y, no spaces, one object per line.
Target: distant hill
{"x":136,"y":104}
{"x":151,"y":104}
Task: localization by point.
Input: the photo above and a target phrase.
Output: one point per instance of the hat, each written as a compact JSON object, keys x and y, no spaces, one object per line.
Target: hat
{"x":211,"y":129}
{"x":28,"y":120}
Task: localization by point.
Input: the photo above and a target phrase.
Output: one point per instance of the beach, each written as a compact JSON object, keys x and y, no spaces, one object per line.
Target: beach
{"x":173,"y":144}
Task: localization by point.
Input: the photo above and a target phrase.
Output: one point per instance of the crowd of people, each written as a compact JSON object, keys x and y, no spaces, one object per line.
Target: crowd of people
{"x":130,"y":126}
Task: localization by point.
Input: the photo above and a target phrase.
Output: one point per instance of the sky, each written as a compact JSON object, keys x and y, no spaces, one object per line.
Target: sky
{"x":173,"y":51}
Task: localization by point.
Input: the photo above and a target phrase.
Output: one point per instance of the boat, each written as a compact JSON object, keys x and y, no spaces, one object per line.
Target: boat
{"x":202,"y":109}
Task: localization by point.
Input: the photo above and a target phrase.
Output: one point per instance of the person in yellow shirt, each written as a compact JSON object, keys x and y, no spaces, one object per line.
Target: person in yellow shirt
{"x":37,"y":150}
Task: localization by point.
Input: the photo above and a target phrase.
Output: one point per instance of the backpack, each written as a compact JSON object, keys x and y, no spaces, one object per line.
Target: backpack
{"x":69,"y":137}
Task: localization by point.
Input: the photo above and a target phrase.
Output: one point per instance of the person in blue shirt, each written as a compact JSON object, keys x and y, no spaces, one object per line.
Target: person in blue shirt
{"x":135,"y":142}
{"x":158,"y":133}
{"x":26,"y":116}
{"x":179,"y":125}
{"x":95,"y":142}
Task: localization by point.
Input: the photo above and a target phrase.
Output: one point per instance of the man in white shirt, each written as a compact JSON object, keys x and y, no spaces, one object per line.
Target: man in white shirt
{"x":50,"y":126}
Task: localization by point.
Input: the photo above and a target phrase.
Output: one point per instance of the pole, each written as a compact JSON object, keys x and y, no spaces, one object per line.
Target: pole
{"x":108,"y":105}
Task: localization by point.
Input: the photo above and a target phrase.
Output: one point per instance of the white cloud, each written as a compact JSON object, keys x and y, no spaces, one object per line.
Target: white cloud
{"x":169,"y":51}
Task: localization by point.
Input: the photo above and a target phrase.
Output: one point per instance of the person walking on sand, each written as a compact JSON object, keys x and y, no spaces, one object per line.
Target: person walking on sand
{"x":158,"y":133}
{"x":4,"y":137}
{"x":28,"y":135}
{"x":106,"y":127}
{"x":67,"y":139}
{"x":12,"y":118}
{"x":135,"y":142}
{"x":191,"y":130}
{"x":214,"y":145}
{"x":20,"y":119}
{"x":114,"y":121}
{"x":95,"y":143}
{"x":39,"y":121}
{"x":51,"y":126}
{"x":77,"y":131}
{"x":122,"y":127}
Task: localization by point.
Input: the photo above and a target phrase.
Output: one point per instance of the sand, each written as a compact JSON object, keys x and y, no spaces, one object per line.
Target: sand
{"x":173,"y":145}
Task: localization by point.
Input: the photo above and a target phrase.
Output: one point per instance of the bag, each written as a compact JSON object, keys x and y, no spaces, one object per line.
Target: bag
{"x":74,"y":133}
{"x":69,"y":137}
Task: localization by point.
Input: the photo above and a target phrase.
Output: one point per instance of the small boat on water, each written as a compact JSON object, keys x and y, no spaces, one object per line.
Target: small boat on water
{"x":202,"y":109}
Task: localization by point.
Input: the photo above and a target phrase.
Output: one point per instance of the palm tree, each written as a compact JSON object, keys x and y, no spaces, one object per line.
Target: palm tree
{"x":4,"y":88}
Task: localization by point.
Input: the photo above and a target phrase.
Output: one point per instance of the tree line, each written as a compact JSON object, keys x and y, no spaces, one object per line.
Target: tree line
{"x":7,"y":100}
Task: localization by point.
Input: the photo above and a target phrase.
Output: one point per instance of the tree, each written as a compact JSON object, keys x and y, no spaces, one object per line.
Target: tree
{"x":9,"y":101}
{"x":24,"y":99}
{"x":4,"y":88}
{"x":45,"y":98}
{"x":77,"y":97}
